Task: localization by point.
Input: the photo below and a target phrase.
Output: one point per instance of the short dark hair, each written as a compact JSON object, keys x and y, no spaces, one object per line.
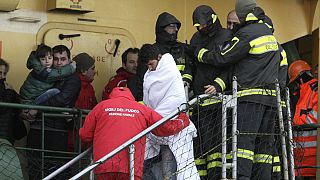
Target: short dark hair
{"x":4,"y":63}
{"x":129,"y":50}
{"x":148,"y":52}
{"x":43,"y":50}
{"x":60,"y":49}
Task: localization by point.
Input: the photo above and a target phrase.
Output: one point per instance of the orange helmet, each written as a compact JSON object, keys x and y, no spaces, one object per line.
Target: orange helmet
{"x":296,"y":68}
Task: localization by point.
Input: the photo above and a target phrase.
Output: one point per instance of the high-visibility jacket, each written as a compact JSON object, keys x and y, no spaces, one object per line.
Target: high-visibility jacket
{"x":306,"y":141}
{"x":255,"y":54}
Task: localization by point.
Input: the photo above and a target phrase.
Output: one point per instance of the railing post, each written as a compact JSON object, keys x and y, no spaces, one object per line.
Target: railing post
{"x":282,"y":132}
{"x":224,"y":138}
{"x":91,"y":172}
{"x":291,"y":159}
{"x":131,"y":154}
{"x":42,"y":144}
{"x":234,"y":128}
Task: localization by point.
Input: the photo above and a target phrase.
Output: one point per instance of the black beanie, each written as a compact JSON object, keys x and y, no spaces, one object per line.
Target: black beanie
{"x":243,"y":7}
{"x":84,"y":62}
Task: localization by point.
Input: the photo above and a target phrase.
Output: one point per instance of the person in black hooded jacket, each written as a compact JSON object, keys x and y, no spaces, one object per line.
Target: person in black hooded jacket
{"x":167,"y":28}
{"x":210,"y":80}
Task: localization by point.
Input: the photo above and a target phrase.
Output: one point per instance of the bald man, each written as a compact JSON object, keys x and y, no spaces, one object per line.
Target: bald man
{"x":232,"y":19}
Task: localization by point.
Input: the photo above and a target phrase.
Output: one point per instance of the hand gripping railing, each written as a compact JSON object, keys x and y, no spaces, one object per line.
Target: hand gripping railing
{"x":183,"y":107}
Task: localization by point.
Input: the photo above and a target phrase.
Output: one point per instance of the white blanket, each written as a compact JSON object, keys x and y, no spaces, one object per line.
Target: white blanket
{"x":163,"y":91}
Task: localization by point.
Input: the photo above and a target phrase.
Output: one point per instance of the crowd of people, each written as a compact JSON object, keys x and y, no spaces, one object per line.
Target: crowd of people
{"x":157,"y":74}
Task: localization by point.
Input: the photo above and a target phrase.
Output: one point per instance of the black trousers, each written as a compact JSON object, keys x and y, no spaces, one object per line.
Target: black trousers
{"x":207,"y":145}
{"x":255,"y":141}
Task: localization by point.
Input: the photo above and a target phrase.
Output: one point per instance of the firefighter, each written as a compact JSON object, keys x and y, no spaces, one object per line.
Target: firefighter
{"x":305,"y":114}
{"x":208,"y":79}
{"x":167,"y":28}
{"x":255,"y":54}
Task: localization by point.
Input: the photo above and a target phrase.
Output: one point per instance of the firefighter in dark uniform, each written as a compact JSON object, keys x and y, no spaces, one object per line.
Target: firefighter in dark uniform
{"x":167,"y":27}
{"x":208,"y":79}
{"x":255,"y":54}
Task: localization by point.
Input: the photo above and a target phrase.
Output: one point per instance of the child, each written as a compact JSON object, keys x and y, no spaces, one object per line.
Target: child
{"x":38,"y":87}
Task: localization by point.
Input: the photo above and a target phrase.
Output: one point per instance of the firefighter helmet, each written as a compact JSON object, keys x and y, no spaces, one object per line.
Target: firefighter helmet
{"x":297,"y":68}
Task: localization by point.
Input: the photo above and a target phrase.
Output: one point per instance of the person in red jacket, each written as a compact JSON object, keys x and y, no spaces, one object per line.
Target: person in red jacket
{"x":86,"y":71}
{"x":306,"y":113}
{"x":86,"y":99}
{"x":128,"y":69}
{"x":116,"y":120}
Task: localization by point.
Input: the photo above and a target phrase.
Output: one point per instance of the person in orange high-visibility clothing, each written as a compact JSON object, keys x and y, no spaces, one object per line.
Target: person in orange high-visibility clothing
{"x":305,"y":113}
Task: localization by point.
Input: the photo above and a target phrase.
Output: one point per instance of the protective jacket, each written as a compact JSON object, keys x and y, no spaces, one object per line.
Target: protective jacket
{"x":87,"y":98}
{"x":216,"y":37}
{"x":116,"y":120}
{"x":168,"y":43}
{"x":119,"y":80}
{"x":256,"y":57}
{"x":306,"y":141}
{"x":40,"y":79}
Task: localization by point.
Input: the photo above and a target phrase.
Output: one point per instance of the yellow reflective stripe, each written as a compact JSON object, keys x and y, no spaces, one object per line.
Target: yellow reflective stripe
{"x":202,"y":172}
{"x":188,"y":76}
{"x":141,"y":102}
{"x":265,"y":92}
{"x":217,"y":155}
{"x":181,"y":67}
{"x":276,"y":159}
{"x":196,"y":24}
{"x":200,"y":54}
{"x":214,"y":18}
{"x":200,"y":161}
{"x":229,"y":49}
{"x":284,"y":61}
{"x":283,"y":104}
{"x":263,"y":158}
{"x":210,"y":101}
{"x":221,"y":83}
{"x":276,"y":169}
{"x":214,"y":164}
{"x":251,"y":17}
{"x":263,"y":44}
{"x":213,"y":156}
{"x":246,"y":154}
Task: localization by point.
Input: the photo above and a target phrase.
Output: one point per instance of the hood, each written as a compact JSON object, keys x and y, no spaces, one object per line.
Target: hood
{"x":165,"y":19}
{"x":205,"y":15}
{"x":162,"y":36}
{"x":257,"y":15}
{"x":121,"y":92}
